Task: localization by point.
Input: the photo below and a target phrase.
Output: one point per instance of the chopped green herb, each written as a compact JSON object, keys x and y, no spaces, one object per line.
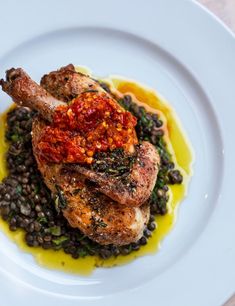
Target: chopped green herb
{"x":57,"y":204}
{"x":82,"y":252}
{"x":37,"y":189}
{"x":80,"y":236}
{"x":15,"y":137}
{"x":115,"y":163}
{"x":102,"y":224}
{"x":42,"y":220}
{"x":55,"y":230}
{"x":97,"y":222}
{"x":18,"y":189}
{"x":62,"y":201}
{"x":60,"y":240}
{"x":11,"y":215}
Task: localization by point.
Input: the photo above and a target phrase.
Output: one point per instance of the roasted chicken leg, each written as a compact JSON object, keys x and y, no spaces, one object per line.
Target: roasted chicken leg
{"x":96,"y":215}
{"x":142,"y":175}
{"x":66,"y":84}
{"x":100,"y":218}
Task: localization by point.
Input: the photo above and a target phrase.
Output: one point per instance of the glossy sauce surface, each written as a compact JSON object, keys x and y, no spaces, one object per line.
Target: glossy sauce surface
{"x":182,"y":154}
{"x":92,"y":122}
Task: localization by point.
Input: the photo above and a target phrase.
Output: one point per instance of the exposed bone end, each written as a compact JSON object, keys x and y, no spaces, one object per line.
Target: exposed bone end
{"x":14,"y":73}
{"x":25,"y":92}
{"x":11,"y":75}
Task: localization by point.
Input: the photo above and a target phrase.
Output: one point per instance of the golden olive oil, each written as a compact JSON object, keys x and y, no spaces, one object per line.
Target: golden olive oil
{"x":182,"y":154}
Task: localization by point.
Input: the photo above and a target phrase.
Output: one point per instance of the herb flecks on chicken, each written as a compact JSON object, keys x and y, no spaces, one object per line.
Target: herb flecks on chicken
{"x":65,"y":81}
{"x":150,"y":128}
{"x":133,"y":187}
{"x":92,"y":122}
{"x":85,"y":202}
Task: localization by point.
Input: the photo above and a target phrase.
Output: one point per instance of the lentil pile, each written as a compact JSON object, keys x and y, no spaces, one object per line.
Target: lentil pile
{"x":149,"y":127}
{"x":27,"y":204}
{"x":91,"y":123}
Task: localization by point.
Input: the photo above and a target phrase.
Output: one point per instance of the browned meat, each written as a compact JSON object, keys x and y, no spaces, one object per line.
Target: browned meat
{"x":143,"y":174}
{"x":96,"y":215}
{"x":100,"y":218}
{"x":136,"y":188}
{"x":142,"y":177}
{"x":24,"y":91}
{"x":66,"y":84}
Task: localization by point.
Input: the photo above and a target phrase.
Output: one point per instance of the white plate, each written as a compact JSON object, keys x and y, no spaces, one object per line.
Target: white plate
{"x":182,"y":51}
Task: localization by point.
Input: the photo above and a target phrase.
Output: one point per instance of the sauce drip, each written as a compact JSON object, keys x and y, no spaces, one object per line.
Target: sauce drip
{"x":182,"y":156}
{"x":91,"y":123}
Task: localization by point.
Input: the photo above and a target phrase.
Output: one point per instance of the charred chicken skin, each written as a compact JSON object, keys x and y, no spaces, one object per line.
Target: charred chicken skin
{"x":66,"y":84}
{"x":94,"y":199}
{"x":96,"y":215}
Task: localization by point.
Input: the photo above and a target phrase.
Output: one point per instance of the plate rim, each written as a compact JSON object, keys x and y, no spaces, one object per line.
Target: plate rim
{"x":217,"y":20}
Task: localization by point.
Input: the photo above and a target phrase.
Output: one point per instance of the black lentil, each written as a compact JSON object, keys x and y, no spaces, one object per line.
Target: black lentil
{"x":149,"y":127}
{"x":152,"y":226}
{"x":26,"y":203}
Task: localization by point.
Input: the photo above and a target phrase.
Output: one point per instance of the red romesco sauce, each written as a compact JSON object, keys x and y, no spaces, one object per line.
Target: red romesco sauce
{"x":92,"y":122}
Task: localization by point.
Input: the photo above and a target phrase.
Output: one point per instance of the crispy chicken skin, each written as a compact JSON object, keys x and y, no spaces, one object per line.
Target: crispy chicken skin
{"x":65,"y":84}
{"x":138,"y":185}
{"x":96,"y":215}
{"x":143,"y":173}
{"x":24,"y":91}
{"x":99,"y":217}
